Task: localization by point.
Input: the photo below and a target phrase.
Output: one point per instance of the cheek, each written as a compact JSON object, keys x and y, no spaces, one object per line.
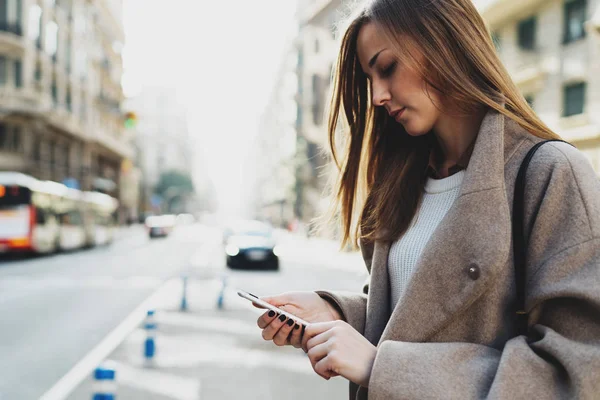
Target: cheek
{"x":421,"y":120}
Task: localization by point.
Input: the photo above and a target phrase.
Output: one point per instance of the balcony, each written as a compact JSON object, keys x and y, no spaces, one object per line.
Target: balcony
{"x":527,"y":68}
{"x":11,"y":39}
{"x":308,"y":13}
{"x":19,"y":100}
{"x":500,"y":11}
{"x":115,"y":143}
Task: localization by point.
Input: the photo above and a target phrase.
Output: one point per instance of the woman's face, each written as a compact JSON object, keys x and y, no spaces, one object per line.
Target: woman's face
{"x":398,"y":88}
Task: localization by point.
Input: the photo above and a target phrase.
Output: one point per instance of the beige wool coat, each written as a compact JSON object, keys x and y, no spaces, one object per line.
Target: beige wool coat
{"x":453,"y":334}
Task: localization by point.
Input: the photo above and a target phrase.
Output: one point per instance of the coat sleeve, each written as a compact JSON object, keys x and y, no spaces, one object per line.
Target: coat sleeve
{"x":353,"y":306}
{"x":560,"y":356}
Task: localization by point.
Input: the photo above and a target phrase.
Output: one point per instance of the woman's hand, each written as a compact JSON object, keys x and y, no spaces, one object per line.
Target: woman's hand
{"x":306,"y":305}
{"x":336,"y":348}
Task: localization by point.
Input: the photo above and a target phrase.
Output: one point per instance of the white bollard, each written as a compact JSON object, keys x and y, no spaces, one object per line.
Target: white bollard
{"x":221,"y":297}
{"x":184,"y":303}
{"x":149,"y":343}
{"x":104,"y":387}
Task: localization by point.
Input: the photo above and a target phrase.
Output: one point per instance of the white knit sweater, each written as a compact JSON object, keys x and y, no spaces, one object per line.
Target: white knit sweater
{"x":405,"y":252}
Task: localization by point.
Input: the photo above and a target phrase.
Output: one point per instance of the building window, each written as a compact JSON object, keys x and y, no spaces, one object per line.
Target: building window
{"x":298,"y":117}
{"x":52,"y":39}
{"x":3,"y":136}
{"x":3,"y":70}
{"x":574,"y":20}
{"x":17,"y":139}
{"x":11,"y":139}
{"x":529,"y":99}
{"x":68,"y":99}
{"x":38,"y":72}
{"x":18,"y":73}
{"x":574,"y":99}
{"x":317,"y":99}
{"x":68,"y":52}
{"x":300,"y":63}
{"x":526,"y":33}
{"x":496,"y":40}
{"x":54,"y":91}
{"x":11,"y":15}
{"x":317,"y":46}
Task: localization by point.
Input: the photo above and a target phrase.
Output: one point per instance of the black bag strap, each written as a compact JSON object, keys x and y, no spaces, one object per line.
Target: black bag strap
{"x":519,"y":245}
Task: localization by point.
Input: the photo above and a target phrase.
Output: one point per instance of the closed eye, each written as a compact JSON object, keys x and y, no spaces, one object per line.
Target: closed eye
{"x":389,"y":70}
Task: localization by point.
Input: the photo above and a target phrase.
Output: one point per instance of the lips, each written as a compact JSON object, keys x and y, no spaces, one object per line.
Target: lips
{"x":398,"y":113}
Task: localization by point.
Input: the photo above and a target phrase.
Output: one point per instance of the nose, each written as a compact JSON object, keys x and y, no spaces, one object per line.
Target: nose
{"x":381,"y":94}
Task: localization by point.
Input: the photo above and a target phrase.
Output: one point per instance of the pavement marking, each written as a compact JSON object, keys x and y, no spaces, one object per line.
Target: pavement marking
{"x":228,"y":325}
{"x":85,"y":366}
{"x":214,"y":350}
{"x":158,"y":382}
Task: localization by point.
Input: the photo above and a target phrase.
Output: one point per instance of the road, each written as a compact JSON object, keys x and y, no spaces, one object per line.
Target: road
{"x":56,"y":309}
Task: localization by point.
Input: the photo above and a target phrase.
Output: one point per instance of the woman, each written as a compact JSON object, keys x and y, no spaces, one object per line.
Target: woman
{"x":437,"y":132}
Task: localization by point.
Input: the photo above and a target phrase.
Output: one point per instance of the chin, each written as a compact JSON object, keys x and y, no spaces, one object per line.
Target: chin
{"x":415,"y":131}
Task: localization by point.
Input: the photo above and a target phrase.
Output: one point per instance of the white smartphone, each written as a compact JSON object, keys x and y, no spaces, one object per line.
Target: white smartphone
{"x":255,"y":299}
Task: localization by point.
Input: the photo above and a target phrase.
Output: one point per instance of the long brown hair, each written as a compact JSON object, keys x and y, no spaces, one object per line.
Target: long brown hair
{"x":382,"y":169}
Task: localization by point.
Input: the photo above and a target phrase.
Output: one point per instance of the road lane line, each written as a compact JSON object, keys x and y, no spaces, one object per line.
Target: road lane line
{"x":85,"y":366}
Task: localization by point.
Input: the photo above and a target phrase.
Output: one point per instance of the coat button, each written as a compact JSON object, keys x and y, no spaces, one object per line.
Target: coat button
{"x":473,"y":272}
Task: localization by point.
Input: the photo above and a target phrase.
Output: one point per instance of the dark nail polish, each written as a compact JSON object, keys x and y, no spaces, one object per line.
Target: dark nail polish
{"x":290,"y":322}
{"x":271,"y":313}
{"x":297,"y":326}
{"x":282,"y":317}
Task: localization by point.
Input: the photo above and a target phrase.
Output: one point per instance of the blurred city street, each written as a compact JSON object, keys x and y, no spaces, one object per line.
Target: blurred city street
{"x":57,"y":309}
{"x":151,"y":149}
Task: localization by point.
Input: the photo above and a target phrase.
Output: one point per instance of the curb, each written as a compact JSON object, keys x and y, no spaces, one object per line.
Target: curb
{"x":67,"y":384}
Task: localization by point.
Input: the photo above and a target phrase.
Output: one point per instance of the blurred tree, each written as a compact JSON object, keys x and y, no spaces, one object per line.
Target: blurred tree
{"x":174,"y":181}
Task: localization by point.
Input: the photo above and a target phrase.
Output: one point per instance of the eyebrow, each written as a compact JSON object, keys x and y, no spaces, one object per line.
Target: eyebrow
{"x":374,"y":58}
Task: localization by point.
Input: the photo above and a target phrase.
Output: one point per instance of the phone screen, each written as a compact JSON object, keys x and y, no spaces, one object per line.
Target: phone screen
{"x":255,"y":299}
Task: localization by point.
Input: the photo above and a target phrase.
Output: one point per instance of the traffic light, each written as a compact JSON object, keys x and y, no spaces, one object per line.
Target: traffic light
{"x":130,"y":120}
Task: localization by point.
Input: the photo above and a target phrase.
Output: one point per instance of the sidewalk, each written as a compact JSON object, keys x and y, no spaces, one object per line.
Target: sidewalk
{"x":211,"y":353}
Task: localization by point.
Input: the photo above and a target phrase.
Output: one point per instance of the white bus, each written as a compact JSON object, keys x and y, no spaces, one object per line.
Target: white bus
{"x":44,"y":216}
{"x":100,"y":218}
{"x":28,"y":221}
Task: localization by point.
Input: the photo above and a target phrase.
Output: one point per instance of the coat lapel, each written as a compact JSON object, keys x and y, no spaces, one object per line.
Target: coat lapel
{"x":474,"y":234}
{"x":378,"y":303}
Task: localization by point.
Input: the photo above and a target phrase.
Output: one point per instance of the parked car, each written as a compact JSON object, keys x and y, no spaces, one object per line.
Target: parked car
{"x":160,"y":225}
{"x":251,"y":245}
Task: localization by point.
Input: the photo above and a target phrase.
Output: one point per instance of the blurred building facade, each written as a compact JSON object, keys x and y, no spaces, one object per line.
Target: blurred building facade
{"x":163,"y":141}
{"x":552,"y":50}
{"x":317,"y":49}
{"x":273,"y":158}
{"x":60,"y":92}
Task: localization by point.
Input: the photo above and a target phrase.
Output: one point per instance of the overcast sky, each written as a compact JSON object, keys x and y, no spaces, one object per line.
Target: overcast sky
{"x":221,"y":56}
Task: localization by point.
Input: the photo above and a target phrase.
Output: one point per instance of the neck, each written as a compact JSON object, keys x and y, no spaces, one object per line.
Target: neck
{"x":455,"y":134}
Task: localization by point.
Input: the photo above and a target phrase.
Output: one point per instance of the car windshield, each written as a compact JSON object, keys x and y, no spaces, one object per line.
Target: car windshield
{"x":252,"y":228}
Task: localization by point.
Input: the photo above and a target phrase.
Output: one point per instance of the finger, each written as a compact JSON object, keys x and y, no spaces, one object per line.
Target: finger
{"x":317,"y":340}
{"x":326,"y":367}
{"x":270,"y":330}
{"x":281,"y":337}
{"x":296,"y":336}
{"x":317,"y":353}
{"x":266,"y":319}
{"x":313,"y":330}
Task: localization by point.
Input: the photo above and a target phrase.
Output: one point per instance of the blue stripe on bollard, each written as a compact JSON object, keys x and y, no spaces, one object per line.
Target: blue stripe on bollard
{"x":149,"y":347}
{"x":104,"y":382}
{"x":102,"y":373}
{"x":103,"y":396}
